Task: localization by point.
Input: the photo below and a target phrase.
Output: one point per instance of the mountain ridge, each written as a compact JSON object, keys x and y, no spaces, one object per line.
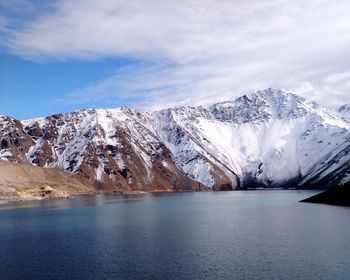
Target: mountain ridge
{"x":269,"y":138}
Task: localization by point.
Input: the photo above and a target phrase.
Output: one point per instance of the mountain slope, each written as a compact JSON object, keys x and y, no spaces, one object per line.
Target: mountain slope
{"x":265,"y":139}
{"x":107,"y":147}
{"x":269,"y":138}
{"x":20,"y":181}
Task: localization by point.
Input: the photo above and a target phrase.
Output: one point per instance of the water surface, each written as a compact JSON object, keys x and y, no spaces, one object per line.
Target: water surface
{"x":216,"y":235}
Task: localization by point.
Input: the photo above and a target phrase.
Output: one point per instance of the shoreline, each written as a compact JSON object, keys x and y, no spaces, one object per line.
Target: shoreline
{"x":6,"y":200}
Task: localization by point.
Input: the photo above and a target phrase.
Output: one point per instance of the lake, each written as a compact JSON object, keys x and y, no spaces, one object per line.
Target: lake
{"x":210,"y":235}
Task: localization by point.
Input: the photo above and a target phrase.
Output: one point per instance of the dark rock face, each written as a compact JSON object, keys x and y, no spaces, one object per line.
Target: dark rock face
{"x":3,"y":144}
{"x":338,"y":195}
{"x":13,"y":139}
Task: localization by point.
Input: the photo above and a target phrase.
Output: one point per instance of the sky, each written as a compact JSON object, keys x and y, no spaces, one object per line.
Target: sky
{"x":63,"y":55}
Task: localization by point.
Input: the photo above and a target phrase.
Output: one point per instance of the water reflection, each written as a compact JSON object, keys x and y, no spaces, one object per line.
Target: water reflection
{"x":235,"y":235}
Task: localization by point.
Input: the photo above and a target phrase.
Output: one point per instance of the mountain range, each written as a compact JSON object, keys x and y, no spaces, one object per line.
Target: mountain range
{"x":266,"y":139}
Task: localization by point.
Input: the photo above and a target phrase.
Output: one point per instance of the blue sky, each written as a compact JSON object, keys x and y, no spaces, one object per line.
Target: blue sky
{"x":59,"y":56}
{"x":30,"y":89}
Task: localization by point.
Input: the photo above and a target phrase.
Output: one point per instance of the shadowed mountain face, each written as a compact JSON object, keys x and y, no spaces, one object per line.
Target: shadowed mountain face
{"x":266,"y":139}
{"x":338,"y":195}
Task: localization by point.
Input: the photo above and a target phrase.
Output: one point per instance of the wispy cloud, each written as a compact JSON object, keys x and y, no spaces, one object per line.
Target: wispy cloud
{"x":197,"y":51}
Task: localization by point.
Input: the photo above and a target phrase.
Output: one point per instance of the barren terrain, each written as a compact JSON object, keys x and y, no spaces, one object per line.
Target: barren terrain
{"x":19,"y":181}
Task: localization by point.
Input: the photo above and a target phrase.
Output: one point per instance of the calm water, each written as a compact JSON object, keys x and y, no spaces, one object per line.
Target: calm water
{"x":226,"y":235}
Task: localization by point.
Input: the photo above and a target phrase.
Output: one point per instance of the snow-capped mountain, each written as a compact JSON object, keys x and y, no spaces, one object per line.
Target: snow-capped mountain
{"x":265,"y":139}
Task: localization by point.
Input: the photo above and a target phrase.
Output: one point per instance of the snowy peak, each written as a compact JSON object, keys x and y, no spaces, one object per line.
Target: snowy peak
{"x":270,"y":104}
{"x":344,"y":111}
{"x":281,"y":104}
{"x":263,"y":105}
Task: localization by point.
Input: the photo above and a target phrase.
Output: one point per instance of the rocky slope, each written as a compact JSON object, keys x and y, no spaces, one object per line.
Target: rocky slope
{"x":265,"y":139}
{"x":20,"y":181}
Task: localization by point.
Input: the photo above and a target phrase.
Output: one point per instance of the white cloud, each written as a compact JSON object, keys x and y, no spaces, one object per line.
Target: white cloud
{"x":198,"y":51}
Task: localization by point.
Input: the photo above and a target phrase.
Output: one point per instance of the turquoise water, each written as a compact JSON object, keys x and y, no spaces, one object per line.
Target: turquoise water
{"x":216,"y":235}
